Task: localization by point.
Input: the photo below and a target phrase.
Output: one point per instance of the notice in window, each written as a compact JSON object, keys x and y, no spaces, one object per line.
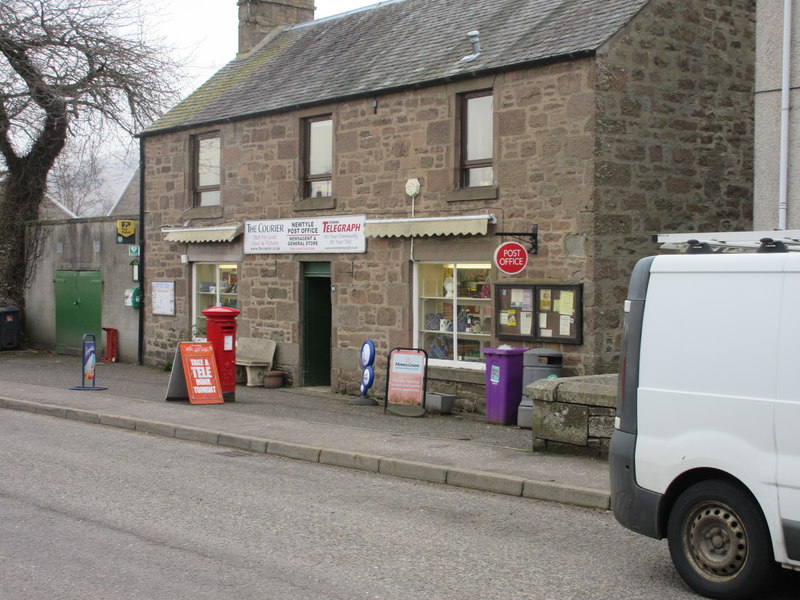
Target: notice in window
{"x":545,"y":297}
{"x":567,"y":304}
{"x":525,"y":322}
{"x":565,"y":325}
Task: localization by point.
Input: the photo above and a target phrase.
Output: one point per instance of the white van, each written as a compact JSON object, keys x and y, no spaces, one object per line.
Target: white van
{"x":706,"y":450}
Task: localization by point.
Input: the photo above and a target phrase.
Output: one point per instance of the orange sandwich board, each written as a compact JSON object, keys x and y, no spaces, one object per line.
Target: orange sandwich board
{"x":194,"y":374}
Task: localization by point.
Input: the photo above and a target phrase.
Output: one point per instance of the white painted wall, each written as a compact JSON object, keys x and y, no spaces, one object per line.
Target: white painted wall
{"x":769,"y":42}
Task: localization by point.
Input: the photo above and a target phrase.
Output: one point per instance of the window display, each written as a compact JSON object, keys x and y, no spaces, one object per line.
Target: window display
{"x":214,"y":285}
{"x":455,"y":310}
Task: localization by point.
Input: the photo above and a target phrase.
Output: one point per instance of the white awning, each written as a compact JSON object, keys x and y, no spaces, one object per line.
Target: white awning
{"x":197,"y":235}
{"x":430,"y":226}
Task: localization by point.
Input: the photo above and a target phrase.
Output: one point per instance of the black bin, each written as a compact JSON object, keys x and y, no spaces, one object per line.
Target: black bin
{"x":9,"y":327}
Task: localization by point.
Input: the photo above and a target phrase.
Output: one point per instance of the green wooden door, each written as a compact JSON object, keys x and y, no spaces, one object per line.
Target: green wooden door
{"x":316,"y":324}
{"x":79,"y":297}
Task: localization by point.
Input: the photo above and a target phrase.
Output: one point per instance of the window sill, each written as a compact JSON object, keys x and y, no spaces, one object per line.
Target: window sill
{"x":489,"y":192}
{"x":460,"y":371}
{"x":314,"y":203}
{"x":203,"y":212}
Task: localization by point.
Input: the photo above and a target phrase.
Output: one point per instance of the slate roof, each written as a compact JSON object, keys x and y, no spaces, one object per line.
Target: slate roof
{"x":394,"y":45}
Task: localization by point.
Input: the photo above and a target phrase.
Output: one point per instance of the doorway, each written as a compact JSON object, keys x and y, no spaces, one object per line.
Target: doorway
{"x":79,"y":297}
{"x":316,"y":324}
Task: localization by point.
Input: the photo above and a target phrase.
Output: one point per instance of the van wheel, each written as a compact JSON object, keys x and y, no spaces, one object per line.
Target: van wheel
{"x":719,"y":541}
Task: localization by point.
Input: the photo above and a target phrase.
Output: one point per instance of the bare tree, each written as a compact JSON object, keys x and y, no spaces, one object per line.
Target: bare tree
{"x":77,"y":180}
{"x":67,"y":68}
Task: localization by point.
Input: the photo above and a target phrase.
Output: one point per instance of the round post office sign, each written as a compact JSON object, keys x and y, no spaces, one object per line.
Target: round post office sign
{"x":511,"y":258}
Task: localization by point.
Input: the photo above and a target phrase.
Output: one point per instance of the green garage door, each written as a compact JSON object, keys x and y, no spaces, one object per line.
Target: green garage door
{"x":79,"y":296}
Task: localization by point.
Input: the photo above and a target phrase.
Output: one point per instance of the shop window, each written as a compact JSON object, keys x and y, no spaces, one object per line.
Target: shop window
{"x":214,"y":285}
{"x":318,"y":157}
{"x":454,"y":311}
{"x":477,"y":140}
{"x":206,"y":171}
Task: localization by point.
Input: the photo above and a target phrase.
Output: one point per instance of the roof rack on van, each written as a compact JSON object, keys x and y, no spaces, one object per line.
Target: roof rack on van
{"x":731,"y":241}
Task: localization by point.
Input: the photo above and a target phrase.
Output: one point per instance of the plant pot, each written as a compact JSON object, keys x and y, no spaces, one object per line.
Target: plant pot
{"x":273,"y":379}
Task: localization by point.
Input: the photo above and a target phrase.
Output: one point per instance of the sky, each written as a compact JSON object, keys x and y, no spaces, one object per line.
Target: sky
{"x":207,"y":31}
{"x":205,"y":34}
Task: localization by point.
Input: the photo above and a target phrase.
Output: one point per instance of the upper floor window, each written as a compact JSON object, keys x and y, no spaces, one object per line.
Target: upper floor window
{"x":318,"y":157}
{"x":206,"y":175}
{"x":477,"y":139}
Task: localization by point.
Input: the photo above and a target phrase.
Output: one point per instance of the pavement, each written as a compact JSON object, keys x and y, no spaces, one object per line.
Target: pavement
{"x":311,"y":424}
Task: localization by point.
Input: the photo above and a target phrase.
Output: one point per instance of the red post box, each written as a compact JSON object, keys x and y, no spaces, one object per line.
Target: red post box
{"x":221,"y":332}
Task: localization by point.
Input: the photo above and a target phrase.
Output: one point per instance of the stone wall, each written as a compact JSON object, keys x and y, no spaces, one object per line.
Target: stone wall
{"x":652,"y":135}
{"x":544,"y":176}
{"x":674,"y":143}
{"x":574,"y":415}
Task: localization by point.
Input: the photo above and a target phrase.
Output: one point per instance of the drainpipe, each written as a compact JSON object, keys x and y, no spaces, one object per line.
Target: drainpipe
{"x":141,"y":250}
{"x":783,"y":184}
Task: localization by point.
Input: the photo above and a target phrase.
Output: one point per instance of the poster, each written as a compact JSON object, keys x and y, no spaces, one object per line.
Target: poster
{"x":406,"y":382}
{"x":163,"y":298}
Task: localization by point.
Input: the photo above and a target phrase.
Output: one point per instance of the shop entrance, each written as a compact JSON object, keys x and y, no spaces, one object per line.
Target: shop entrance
{"x":316,"y":324}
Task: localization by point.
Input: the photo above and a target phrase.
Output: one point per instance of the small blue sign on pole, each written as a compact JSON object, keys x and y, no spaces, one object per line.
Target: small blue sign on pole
{"x":366,"y":358}
{"x":88,"y":365}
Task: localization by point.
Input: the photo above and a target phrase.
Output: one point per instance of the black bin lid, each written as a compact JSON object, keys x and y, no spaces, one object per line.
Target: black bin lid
{"x":538,"y":356}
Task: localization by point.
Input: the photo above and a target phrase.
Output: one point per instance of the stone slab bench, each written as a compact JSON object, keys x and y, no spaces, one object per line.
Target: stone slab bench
{"x":254,"y":356}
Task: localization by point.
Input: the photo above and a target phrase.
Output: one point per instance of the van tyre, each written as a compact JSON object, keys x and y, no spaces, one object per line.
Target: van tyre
{"x":719,"y":541}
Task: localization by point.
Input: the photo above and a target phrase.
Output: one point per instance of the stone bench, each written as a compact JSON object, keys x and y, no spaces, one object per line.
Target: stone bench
{"x":255,"y":356}
{"x":574,"y":414}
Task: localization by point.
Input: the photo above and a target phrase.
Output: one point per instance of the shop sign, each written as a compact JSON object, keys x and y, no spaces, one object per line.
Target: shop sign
{"x":126,"y":231}
{"x":511,"y":258}
{"x":306,"y":235}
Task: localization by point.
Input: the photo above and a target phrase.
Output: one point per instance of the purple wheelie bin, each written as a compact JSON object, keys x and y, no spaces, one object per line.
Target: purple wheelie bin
{"x":503,"y":384}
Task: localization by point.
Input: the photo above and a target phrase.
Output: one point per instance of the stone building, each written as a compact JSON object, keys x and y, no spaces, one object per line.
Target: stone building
{"x":430,"y":131}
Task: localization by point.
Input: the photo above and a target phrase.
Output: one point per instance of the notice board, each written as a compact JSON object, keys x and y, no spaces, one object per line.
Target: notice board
{"x":539,"y":312}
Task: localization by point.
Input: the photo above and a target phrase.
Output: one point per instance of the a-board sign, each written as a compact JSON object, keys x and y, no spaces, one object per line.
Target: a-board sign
{"x":406,"y":380}
{"x":194,"y":374}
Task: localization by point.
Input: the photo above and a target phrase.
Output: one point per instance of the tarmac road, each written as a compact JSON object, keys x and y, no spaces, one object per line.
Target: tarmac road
{"x":91,"y":512}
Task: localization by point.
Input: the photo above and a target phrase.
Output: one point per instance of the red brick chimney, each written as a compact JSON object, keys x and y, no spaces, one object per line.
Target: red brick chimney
{"x":257,"y":18}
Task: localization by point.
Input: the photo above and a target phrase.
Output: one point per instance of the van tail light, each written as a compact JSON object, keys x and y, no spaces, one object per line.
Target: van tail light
{"x":620,"y":390}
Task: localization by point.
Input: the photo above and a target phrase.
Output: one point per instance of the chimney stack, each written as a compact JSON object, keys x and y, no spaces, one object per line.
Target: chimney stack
{"x":258,"y":18}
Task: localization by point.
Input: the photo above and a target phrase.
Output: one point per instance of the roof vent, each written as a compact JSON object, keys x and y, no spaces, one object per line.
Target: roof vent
{"x":476,"y":45}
